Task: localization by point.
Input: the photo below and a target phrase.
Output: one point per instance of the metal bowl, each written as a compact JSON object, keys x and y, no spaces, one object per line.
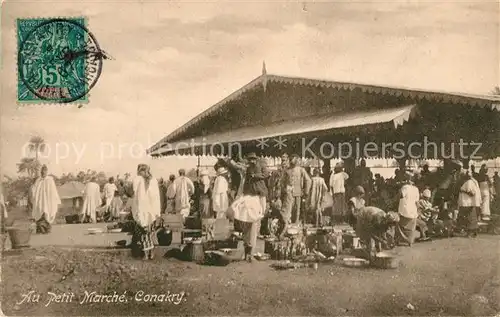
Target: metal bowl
{"x":293,"y":231}
{"x":355,"y":262}
{"x":95,"y":230}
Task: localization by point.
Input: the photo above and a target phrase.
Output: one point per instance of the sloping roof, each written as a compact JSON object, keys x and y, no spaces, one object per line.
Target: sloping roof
{"x":491,"y":101}
{"x":394,"y":116}
{"x":72,"y":189}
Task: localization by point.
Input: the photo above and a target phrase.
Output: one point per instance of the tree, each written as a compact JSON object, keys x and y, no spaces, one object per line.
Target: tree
{"x":81,"y":176}
{"x":36,"y":145}
{"x":496,"y":91}
{"x":29,"y":166}
{"x":17,"y":189}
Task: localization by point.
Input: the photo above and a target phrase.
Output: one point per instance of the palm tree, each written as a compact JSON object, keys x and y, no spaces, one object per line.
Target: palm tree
{"x":29,"y":166}
{"x":36,"y":145}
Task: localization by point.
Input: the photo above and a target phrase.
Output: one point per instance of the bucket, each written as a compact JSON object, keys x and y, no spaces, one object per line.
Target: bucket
{"x":386,"y":261}
{"x":197,"y":253}
{"x":19,"y":237}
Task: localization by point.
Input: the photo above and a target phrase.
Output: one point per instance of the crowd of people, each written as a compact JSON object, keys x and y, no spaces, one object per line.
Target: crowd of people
{"x":452,"y":199}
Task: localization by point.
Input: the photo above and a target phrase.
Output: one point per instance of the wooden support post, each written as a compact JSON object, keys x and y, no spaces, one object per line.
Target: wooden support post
{"x":326,"y":170}
{"x":349,"y":165}
{"x":198,"y":167}
{"x":401,"y":164}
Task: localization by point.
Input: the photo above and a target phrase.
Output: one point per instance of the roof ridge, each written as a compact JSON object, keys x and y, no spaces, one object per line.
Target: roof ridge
{"x":420,"y":90}
{"x":371,"y":88}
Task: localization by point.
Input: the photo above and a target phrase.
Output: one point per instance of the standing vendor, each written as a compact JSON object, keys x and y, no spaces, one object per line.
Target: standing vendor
{"x":220,"y":197}
{"x":408,"y":211}
{"x":337,"y":188}
{"x":205,"y":195}
{"x":254,"y":184}
{"x":297,"y":184}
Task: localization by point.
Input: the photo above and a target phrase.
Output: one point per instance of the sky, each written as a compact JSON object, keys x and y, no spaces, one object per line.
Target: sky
{"x":173,"y":60}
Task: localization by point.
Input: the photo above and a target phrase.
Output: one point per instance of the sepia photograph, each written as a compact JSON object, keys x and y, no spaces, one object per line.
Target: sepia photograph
{"x":250,"y":158}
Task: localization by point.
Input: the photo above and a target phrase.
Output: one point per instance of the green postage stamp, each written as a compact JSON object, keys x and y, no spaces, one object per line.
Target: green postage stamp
{"x":58,"y":60}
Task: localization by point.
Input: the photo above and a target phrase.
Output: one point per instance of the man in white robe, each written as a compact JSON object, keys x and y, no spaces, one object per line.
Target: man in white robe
{"x":146,"y":201}
{"x":4,"y":215}
{"x":184,"y":189}
{"x":45,"y":201}
{"x":91,"y":201}
{"x":469,"y":201}
{"x":109,"y":192}
{"x":220,"y":198}
{"x":146,"y":208}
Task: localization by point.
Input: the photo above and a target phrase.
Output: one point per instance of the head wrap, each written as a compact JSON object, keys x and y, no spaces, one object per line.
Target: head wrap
{"x":205,"y":180}
{"x":359,"y":190}
{"x":408,"y":176}
{"x":426,"y":194}
{"x":147,"y":173}
{"x":338,"y":167}
{"x":392,"y":217}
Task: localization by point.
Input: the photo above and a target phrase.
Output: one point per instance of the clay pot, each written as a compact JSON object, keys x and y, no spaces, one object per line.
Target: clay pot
{"x":19,"y":237}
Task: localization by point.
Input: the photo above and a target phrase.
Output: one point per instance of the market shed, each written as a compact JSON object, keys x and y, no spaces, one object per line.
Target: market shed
{"x":274,"y":114}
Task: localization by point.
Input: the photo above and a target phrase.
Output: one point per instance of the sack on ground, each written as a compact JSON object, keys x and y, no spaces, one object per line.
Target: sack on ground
{"x":246,"y":209}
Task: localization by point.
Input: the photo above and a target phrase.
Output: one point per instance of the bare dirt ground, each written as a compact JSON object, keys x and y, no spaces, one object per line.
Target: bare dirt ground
{"x":437,"y":278}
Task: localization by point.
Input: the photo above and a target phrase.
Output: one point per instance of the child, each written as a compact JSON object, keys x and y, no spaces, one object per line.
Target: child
{"x":428,"y":216}
{"x":116,"y":206}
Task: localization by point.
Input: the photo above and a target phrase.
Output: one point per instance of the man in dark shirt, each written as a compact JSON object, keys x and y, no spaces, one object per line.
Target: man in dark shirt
{"x":363,"y":177}
{"x":473,"y":171}
{"x":256,"y":175}
{"x":255,"y":179}
{"x":496,"y":184}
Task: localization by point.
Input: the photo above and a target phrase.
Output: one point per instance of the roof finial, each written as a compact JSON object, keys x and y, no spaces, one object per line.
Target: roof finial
{"x":264,"y":71}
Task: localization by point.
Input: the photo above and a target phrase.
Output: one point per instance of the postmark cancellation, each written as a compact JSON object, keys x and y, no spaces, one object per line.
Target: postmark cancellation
{"x":59,"y":60}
